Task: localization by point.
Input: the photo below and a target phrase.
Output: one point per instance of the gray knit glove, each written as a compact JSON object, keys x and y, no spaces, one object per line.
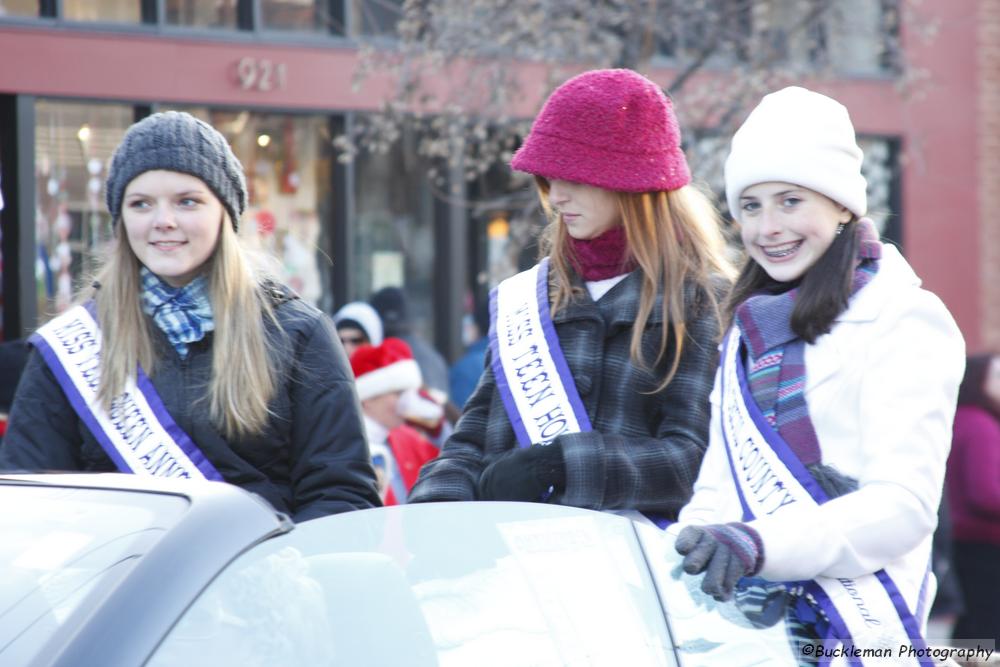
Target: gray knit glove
{"x":724,"y":552}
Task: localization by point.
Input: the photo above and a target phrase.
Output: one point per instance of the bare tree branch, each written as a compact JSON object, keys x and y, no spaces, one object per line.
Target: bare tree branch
{"x":461,"y":67}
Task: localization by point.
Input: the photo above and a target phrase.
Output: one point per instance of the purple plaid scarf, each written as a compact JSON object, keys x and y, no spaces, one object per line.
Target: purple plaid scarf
{"x":776,"y":362}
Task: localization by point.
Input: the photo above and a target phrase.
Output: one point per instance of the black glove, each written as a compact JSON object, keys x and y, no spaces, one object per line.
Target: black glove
{"x":524,"y":473}
{"x":724,"y":552}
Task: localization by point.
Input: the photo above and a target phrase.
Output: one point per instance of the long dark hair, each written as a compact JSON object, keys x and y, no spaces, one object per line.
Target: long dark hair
{"x":972,"y":391}
{"x":824,"y":289}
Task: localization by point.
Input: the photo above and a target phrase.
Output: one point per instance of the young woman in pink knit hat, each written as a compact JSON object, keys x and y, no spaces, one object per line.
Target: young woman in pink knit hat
{"x":832,"y":411}
{"x":595,"y":391}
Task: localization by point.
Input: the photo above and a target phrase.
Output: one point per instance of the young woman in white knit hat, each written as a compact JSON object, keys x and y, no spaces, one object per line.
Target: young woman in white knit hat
{"x":184,"y":360}
{"x":832,"y":408}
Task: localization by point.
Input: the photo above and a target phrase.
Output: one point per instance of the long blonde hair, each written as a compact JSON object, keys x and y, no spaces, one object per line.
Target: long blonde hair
{"x":675,"y":237}
{"x":243,"y":378}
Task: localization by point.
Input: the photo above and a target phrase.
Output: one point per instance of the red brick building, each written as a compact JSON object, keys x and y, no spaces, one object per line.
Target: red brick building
{"x":278,"y":83}
{"x":987,"y":179}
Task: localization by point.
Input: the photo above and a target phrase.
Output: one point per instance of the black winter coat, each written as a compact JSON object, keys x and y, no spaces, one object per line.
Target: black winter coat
{"x":645,"y":449}
{"x":311,"y":460}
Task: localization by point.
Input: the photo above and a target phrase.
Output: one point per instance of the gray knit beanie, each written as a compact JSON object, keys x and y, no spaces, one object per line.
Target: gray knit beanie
{"x":177,"y":141}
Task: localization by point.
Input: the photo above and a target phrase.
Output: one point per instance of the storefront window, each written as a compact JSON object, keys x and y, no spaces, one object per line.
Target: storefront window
{"x":301,"y":15}
{"x":73,"y":145}
{"x":394,"y":230}
{"x":115,"y":11}
{"x":881,"y":170}
{"x":201,"y":14}
{"x":859,"y":37}
{"x":288,"y":163}
{"x":19,"y":7}
{"x":376,"y":17}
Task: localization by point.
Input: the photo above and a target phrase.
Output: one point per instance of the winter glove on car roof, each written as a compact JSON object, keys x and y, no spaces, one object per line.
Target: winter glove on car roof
{"x":724,"y":552}
{"x":524,"y":473}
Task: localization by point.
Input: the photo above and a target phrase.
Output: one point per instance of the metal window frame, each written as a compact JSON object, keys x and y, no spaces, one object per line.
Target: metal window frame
{"x":894,"y":227}
{"x":17,"y":173}
{"x":451,"y":250}
{"x":341,"y":239}
{"x":153,"y":21}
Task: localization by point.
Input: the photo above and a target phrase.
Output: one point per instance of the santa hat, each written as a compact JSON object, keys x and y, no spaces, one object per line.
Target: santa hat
{"x":380,"y":369}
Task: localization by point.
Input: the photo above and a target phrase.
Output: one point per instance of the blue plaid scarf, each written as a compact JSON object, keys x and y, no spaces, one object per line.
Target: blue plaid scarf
{"x":184,"y":314}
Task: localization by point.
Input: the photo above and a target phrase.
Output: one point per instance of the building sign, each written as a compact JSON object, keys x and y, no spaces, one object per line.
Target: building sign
{"x":261,"y":74}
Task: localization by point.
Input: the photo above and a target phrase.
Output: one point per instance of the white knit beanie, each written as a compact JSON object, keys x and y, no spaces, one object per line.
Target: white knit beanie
{"x":801,"y":137}
{"x":365,"y":316}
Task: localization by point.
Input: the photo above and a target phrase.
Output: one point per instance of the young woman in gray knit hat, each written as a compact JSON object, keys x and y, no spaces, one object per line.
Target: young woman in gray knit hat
{"x":185,"y":360}
{"x":833,"y":405}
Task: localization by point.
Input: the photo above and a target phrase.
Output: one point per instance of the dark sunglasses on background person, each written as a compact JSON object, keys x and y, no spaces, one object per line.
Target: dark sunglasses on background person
{"x":353,"y":340}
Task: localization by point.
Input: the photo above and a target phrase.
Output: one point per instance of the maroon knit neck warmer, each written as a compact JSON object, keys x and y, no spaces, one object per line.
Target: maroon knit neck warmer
{"x":602,"y":257}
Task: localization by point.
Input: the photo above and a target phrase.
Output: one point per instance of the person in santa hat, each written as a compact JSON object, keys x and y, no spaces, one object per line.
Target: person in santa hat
{"x":388,"y":381}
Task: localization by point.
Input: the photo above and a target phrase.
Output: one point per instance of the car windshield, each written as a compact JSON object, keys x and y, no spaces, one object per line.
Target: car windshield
{"x":747,"y":631}
{"x":440,"y":584}
{"x":455,"y":584}
{"x":61,"y":544}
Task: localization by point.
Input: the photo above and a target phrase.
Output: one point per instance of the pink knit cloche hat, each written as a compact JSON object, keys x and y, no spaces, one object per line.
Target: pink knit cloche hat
{"x":611,"y":128}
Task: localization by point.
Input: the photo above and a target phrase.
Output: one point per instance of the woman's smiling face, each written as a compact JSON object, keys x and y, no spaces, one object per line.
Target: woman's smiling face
{"x":786,"y":228}
{"x":172,"y":221}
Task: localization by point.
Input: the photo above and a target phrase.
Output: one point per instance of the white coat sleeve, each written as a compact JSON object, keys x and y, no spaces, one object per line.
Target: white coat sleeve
{"x":714,"y":477}
{"x":914,"y":364}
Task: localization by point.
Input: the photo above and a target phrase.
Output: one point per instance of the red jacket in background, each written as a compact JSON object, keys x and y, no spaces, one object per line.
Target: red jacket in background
{"x":411,"y":451}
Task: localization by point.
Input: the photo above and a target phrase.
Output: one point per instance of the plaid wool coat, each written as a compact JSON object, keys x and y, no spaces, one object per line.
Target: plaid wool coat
{"x":645,"y":448}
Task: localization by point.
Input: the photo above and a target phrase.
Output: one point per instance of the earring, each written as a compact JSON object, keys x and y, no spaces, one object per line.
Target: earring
{"x":840,"y":227}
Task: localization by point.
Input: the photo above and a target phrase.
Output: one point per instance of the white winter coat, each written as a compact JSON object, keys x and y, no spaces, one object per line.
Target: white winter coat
{"x":881,"y":389}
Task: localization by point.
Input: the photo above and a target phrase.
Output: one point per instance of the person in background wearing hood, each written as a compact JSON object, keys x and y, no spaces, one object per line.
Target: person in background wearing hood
{"x":393,"y":308}
{"x":974,"y":498}
{"x":430,"y":410}
{"x":464,"y":374}
{"x":358,"y":324}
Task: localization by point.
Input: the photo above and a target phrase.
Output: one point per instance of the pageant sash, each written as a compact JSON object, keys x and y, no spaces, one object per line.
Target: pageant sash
{"x":531,"y":373}
{"x":136,"y":431}
{"x":866,"y":613}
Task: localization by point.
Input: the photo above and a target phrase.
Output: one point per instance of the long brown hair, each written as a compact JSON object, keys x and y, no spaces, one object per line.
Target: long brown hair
{"x":243,"y":378}
{"x":676,"y":239}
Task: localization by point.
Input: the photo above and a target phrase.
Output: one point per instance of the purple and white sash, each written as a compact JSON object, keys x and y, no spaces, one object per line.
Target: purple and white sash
{"x":866,"y":612}
{"x":531,"y":373}
{"x":136,"y":431}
